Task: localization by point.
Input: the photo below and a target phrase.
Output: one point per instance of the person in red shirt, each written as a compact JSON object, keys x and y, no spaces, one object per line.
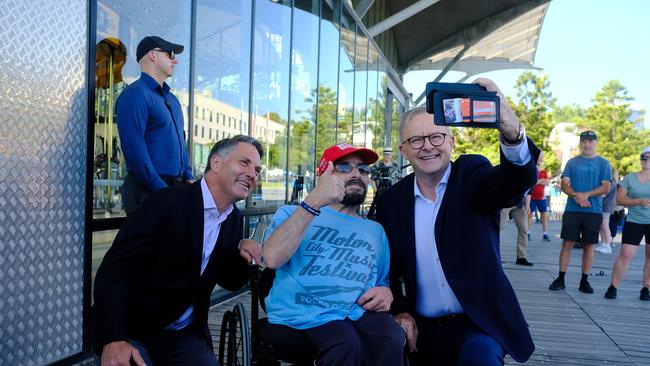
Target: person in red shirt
{"x":538,"y":199}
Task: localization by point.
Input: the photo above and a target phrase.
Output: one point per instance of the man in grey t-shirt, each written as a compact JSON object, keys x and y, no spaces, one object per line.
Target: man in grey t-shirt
{"x":586,"y":178}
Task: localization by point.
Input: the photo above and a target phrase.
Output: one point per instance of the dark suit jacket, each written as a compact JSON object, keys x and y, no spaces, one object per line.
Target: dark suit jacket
{"x":151,"y":273}
{"x":467,"y":239}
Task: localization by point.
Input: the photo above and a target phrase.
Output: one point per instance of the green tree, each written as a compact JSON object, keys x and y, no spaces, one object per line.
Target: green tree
{"x":483,"y":141}
{"x":619,"y":141}
{"x":533,"y":107}
{"x":378,"y":111}
{"x":569,"y":113}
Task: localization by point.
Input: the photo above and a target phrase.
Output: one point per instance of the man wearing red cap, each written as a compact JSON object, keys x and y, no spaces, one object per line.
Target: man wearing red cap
{"x":331,"y":290}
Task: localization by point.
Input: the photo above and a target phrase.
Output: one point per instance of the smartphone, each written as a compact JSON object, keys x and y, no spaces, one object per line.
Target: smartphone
{"x":462,"y":105}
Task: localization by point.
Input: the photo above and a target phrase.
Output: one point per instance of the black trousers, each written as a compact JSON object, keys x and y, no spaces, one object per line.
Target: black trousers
{"x":189,"y":346}
{"x":454,"y":340}
{"x":374,"y":340}
{"x":133,"y":193}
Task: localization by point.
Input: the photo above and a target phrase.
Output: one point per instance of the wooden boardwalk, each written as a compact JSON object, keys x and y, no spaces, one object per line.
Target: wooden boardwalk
{"x":568,"y":327}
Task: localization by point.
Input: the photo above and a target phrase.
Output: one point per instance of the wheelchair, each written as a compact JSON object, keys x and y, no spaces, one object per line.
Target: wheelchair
{"x":240,"y":345}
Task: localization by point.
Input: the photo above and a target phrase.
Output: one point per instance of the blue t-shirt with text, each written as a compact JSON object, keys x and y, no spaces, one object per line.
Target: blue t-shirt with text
{"x":586,"y":174}
{"x":339,"y":258}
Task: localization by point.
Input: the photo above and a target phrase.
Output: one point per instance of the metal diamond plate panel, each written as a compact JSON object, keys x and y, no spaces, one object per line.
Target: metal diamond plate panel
{"x":43,"y":123}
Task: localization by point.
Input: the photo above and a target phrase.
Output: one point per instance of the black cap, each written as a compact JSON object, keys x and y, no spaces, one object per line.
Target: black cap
{"x":588,"y":135}
{"x":151,"y":42}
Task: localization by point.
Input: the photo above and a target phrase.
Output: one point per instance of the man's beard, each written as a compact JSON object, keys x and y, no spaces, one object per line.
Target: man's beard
{"x":355,"y":197}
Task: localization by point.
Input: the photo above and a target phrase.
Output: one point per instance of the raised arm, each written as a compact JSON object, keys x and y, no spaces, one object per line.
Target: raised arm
{"x":284,"y":241}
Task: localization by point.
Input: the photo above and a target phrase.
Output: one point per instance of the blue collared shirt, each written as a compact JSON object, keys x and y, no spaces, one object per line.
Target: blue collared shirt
{"x":150,"y":123}
{"x":212,"y":220}
{"x":435,"y":297}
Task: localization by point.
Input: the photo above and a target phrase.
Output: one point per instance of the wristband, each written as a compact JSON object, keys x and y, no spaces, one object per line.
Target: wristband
{"x":309,"y":209}
{"x":520,"y":137}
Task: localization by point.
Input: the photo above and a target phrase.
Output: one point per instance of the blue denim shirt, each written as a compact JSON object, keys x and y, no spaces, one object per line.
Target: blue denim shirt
{"x":150,"y":123}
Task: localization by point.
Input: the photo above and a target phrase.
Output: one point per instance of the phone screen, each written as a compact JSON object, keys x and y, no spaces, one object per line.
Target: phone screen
{"x":457,"y":110}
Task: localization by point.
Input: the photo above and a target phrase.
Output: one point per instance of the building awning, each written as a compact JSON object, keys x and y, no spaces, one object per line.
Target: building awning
{"x":512,"y":46}
{"x":476,"y":36}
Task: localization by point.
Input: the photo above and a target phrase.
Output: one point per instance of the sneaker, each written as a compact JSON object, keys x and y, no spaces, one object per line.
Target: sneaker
{"x":558,"y":284}
{"x":611,"y":292}
{"x":546,"y":238}
{"x":578,"y":246}
{"x":645,"y":294}
{"x":585,"y":287}
{"x":603,"y":248}
{"x":529,"y":237}
{"x":523,"y":262}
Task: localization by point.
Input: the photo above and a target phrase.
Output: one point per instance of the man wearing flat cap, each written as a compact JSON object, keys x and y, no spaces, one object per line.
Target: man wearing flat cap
{"x":585,"y":179}
{"x":150,"y":124}
{"x":383,"y":175}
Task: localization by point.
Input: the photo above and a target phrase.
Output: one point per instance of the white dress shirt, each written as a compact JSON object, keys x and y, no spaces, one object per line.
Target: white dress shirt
{"x":212,"y":220}
{"x":435,"y":298}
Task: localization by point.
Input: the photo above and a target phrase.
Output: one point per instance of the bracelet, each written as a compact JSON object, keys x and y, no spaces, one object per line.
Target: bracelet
{"x":309,"y":209}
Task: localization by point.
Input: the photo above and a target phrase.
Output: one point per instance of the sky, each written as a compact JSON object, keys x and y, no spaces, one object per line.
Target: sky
{"x":583,"y":44}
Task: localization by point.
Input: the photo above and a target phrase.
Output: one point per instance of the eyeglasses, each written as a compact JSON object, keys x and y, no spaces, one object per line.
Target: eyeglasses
{"x":417,"y":142}
{"x":347,"y":168}
{"x":645,"y":157}
{"x":169,"y":53}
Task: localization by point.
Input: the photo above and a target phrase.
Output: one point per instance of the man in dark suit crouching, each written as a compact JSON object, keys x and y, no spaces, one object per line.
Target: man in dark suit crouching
{"x":442,"y":222}
{"x":152,"y":290}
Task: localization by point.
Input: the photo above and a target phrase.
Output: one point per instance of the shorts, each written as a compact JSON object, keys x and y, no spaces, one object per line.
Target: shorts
{"x":633,"y":232}
{"x":581,"y":225}
{"x":539,"y":205}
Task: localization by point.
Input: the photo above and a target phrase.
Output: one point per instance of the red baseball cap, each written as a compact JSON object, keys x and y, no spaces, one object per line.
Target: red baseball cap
{"x":334,"y":153}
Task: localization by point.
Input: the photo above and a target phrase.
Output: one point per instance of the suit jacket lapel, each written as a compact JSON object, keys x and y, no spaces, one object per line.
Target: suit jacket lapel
{"x":437,"y":230}
{"x":408,"y":228}
{"x":195,"y":222}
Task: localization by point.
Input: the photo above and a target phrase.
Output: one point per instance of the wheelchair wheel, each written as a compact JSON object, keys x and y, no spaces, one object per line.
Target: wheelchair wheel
{"x":234,"y":344}
{"x":224,"y":335}
{"x":241,"y":336}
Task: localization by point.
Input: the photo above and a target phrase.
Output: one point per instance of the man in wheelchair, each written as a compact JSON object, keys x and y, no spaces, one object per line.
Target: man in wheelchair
{"x":330,"y":293}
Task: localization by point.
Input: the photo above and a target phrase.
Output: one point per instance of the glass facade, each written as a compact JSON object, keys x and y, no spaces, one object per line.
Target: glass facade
{"x":298,"y":75}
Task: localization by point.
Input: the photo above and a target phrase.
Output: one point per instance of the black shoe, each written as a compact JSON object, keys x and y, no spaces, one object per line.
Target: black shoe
{"x":611,"y":292}
{"x":645,"y":294}
{"x":585,"y":287}
{"x":558,"y":284}
{"x":523,"y":262}
{"x":578,"y":246}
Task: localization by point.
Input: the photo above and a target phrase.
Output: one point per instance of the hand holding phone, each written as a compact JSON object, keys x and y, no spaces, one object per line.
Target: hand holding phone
{"x":509,"y":124}
{"x":463,"y":105}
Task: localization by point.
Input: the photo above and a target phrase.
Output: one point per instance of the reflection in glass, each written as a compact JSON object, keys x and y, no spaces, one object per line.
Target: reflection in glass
{"x":222,"y":72}
{"x":271,"y":97}
{"x":346,"y":79}
{"x":121,"y":25}
{"x":380,"y":127}
{"x":304,"y":72}
{"x":101,"y":242}
{"x":110,"y":56}
{"x":328,"y":75}
{"x":359,"y":127}
{"x":372,"y":114}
